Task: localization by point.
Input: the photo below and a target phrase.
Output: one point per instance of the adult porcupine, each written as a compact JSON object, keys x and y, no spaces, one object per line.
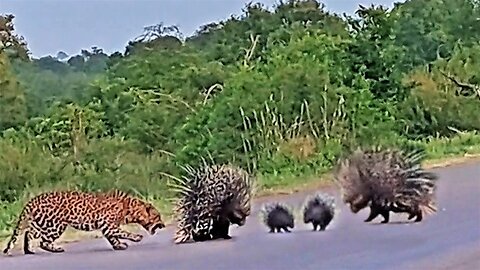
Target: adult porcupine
{"x":388,"y":180}
{"x":211,"y":198}
{"x":319,"y":210}
{"x":277,"y":216}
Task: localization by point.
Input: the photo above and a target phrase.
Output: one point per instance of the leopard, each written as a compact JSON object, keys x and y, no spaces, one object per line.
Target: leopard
{"x":47,"y":216}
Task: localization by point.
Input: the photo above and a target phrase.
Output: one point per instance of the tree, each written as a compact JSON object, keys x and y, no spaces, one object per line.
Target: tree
{"x":227,"y":40}
{"x":77,"y":62}
{"x":61,"y":55}
{"x":375,"y":54}
{"x":10,"y":43}
{"x":114,"y":58}
{"x":52,"y":64}
{"x":13,"y":110}
{"x":431,"y":28}
{"x":92,"y":62}
{"x":156,"y":37}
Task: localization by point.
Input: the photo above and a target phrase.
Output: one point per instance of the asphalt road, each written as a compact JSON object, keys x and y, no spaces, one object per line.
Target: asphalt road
{"x":448,"y":240}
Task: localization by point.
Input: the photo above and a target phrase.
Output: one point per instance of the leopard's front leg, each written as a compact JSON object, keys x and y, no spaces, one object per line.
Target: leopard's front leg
{"x":113,"y":233}
{"x":134,"y":237}
{"x":116,"y":244}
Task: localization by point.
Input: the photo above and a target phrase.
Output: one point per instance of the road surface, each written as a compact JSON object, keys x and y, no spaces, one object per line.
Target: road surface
{"x":448,"y":240}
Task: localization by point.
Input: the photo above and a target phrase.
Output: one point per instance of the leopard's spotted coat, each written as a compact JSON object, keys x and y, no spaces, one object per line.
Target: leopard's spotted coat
{"x":47,"y":216}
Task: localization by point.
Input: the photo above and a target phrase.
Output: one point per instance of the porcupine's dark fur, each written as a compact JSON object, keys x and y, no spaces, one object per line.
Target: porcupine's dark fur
{"x":277,"y":216}
{"x":387,"y":180}
{"x":211,"y":198}
{"x":319,"y":210}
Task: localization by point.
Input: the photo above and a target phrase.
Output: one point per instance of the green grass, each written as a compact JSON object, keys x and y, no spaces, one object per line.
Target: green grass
{"x":460,"y":145}
{"x":440,"y":152}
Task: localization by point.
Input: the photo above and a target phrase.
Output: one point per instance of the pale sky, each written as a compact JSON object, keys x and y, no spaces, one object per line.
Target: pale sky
{"x":71,"y":25}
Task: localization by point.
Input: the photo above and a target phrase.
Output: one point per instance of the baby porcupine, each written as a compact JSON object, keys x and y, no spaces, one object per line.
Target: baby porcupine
{"x":387,"y":180}
{"x":319,"y":210}
{"x":210,"y":198}
{"x":277,"y":216}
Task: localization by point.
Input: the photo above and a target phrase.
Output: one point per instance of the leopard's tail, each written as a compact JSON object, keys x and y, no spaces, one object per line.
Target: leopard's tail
{"x":22,"y":224}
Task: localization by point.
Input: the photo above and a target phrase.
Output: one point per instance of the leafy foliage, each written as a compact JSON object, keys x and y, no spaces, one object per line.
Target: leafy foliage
{"x":11,"y":44}
{"x":12,"y":97}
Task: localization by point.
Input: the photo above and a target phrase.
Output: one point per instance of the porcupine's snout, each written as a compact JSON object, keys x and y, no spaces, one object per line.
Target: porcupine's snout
{"x":291,"y":223}
{"x":359,"y":203}
{"x":237,"y":217}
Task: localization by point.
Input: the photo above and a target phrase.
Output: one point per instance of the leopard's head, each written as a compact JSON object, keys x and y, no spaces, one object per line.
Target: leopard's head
{"x":147,"y":216}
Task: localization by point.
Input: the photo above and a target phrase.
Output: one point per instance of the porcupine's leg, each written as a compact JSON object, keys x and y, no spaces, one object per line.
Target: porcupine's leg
{"x":204,"y":235}
{"x":412,"y":213}
{"x":225,"y":226}
{"x":415,"y":212}
{"x":220,"y":229}
{"x":272,"y":230}
{"x":404,"y":209}
{"x":285,"y":228}
{"x":419,"y":216}
{"x":315,"y":225}
{"x":374,"y":212}
{"x":201,"y":237}
{"x":400,"y":208}
{"x":216,"y":230}
{"x":396,"y":209}
{"x":385,"y":212}
{"x":50,"y":235}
